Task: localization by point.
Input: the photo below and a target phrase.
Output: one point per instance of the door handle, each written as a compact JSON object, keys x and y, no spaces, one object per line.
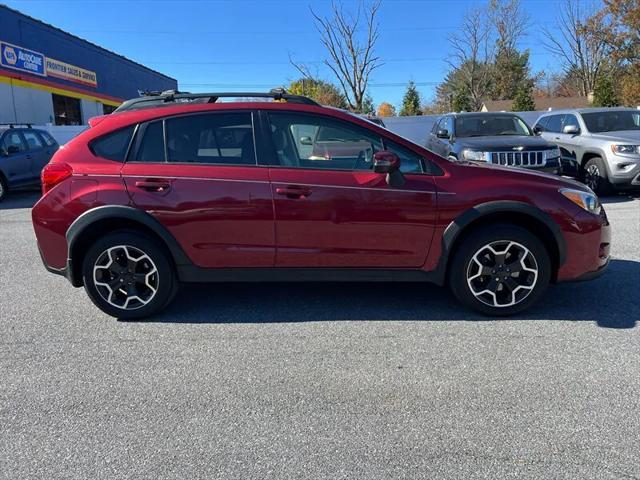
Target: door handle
{"x":294,"y":191}
{"x":159,"y":186}
{"x":557,"y":138}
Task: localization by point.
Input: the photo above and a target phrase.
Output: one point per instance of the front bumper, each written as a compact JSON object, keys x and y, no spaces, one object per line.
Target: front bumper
{"x":588,"y":239}
{"x":595,"y":274}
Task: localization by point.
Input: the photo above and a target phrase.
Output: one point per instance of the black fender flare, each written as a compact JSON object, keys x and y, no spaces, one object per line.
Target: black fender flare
{"x":111,"y":212}
{"x":462,"y":221}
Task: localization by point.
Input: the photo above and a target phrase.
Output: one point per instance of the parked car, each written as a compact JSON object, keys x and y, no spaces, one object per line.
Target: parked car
{"x":151,"y":197}
{"x":24,"y":151}
{"x":601,"y":146}
{"x":498,"y":138}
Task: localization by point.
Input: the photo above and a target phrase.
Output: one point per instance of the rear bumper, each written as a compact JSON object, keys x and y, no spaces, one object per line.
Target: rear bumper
{"x":63,"y":272}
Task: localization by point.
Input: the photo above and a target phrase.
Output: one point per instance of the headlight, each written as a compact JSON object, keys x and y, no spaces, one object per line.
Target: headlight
{"x":553,"y":153}
{"x":586,"y":200}
{"x":626,"y":149}
{"x":476,"y":156}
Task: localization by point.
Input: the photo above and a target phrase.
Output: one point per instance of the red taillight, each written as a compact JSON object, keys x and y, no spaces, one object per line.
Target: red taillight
{"x":54,"y":173}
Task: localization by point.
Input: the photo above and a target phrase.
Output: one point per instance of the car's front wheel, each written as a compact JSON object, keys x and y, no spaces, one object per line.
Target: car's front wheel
{"x":500,"y":270}
{"x":595,"y":177}
{"x":128,"y":275}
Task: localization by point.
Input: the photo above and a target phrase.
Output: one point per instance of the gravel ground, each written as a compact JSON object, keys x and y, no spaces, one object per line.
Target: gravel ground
{"x":318,"y":381}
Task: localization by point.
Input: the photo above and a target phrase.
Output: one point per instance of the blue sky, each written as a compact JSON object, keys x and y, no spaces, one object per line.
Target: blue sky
{"x":214,"y":45}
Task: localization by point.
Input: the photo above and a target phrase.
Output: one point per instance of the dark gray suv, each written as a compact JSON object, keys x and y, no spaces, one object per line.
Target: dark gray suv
{"x":24,"y":151}
{"x":499,"y":138}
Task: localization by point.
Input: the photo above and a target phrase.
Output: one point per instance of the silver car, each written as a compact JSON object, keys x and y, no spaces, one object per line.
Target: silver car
{"x":601,"y":146}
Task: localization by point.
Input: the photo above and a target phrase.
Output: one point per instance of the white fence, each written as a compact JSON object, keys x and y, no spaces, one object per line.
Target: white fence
{"x":62,"y":133}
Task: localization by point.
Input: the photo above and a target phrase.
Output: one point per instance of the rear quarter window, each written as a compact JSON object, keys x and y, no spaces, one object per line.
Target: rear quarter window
{"x":113,"y":146}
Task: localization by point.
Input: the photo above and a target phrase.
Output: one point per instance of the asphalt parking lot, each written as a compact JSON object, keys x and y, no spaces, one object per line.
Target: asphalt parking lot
{"x":318,"y":381}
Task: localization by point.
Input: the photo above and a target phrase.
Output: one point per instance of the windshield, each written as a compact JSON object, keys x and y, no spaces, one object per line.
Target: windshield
{"x":612,"y":121}
{"x":487,"y":126}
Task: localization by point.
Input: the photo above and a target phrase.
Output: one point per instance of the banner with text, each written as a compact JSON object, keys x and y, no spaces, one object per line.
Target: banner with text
{"x":66,"y":71}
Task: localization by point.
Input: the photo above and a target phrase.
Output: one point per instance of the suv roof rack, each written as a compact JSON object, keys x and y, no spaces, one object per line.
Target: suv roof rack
{"x":16,"y":124}
{"x":150,"y":99}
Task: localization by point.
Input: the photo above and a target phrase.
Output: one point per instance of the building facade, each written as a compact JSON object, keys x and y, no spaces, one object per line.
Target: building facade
{"x":49,"y":76}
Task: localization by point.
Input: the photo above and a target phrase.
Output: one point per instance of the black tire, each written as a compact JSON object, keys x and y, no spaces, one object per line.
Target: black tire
{"x":163,"y":278}
{"x":3,"y":187}
{"x":594,"y":175}
{"x":508,"y":272}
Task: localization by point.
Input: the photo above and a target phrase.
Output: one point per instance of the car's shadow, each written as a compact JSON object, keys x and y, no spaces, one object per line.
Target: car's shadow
{"x":610,"y":301}
{"x":20,"y":199}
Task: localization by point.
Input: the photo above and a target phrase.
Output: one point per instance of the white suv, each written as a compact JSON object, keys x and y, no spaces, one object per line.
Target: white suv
{"x":601,"y":145}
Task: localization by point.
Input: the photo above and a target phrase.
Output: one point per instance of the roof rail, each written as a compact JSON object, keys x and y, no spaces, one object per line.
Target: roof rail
{"x":150,"y":99}
{"x":16,"y":124}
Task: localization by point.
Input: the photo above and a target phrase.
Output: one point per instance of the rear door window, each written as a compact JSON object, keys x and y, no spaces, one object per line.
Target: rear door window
{"x":219,"y":138}
{"x":33,"y":140}
{"x":47,"y":139}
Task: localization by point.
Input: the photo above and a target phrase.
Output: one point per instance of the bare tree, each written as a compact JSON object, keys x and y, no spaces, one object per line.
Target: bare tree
{"x":472,"y":56}
{"x":510,"y":22}
{"x":582,"y":54}
{"x":350,"y":40}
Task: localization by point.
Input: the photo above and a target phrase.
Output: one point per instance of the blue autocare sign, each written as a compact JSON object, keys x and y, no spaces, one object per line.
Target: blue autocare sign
{"x":18,"y":58}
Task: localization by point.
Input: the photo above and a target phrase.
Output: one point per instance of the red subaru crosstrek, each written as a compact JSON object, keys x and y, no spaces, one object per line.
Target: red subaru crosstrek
{"x":179,"y":188}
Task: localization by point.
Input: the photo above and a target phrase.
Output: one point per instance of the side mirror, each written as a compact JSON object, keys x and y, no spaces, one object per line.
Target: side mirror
{"x":571,"y":130}
{"x":12,"y":149}
{"x":443,"y":133}
{"x":385,"y":162}
{"x":537,"y":130}
{"x":389,"y":163}
{"x":306,"y":141}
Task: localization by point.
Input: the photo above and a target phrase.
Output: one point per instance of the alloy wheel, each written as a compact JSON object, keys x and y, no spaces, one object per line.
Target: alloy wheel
{"x":592,"y":177}
{"x":126,"y":277}
{"x":502,"y":273}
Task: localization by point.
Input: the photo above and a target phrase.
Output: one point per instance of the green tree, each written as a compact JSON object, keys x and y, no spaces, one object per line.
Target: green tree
{"x":523,"y":101}
{"x":368,"y":107}
{"x":411,"y":101}
{"x":461,"y":101}
{"x":324,"y":93}
{"x":604,"y":93}
{"x":510,"y":73}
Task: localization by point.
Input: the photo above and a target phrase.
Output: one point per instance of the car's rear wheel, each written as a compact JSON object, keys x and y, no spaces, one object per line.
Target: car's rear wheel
{"x":128,"y":275}
{"x":594,"y":176}
{"x":500,"y":270}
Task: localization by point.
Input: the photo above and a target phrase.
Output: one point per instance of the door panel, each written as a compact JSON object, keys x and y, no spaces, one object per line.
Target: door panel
{"x":351,"y":219}
{"x":222,"y":216}
{"x":39,"y":157}
{"x":16,"y":166}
